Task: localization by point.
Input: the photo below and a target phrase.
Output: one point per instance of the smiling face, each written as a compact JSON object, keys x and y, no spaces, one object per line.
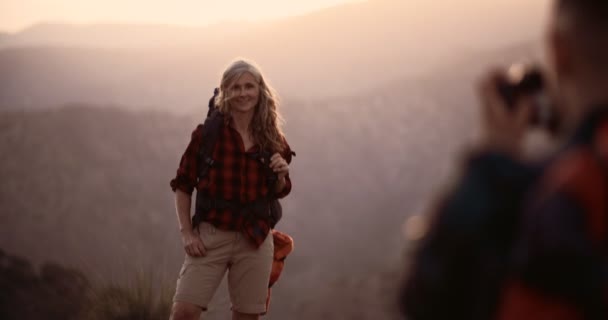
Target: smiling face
{"x":245,"y":93}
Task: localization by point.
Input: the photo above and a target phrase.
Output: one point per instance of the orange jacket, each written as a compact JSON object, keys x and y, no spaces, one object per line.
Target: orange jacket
{"x":283,"y":246}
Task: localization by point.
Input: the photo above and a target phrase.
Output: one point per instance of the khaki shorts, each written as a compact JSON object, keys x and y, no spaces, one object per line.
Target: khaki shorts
{"x":248,"y":271}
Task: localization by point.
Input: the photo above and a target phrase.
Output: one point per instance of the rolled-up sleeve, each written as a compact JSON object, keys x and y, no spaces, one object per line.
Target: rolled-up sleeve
{"x":287,"y":154}
{"x":287,"y":189}
{"x":186,"y":177}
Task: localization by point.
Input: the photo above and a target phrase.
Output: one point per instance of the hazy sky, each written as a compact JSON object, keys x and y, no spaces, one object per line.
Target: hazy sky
{"x":18,"y":14}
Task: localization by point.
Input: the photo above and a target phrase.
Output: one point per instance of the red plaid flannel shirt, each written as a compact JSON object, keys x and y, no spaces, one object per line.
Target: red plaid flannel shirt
{"x":235,"y":176}
{"x":567,"y":235}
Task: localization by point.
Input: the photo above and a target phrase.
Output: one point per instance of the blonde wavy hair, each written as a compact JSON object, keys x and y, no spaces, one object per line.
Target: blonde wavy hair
{"x":265,"y":127}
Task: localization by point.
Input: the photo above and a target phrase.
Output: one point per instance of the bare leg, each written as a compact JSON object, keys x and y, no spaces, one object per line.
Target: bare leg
{"x":185,"y":311}
{"x":244,"y":316}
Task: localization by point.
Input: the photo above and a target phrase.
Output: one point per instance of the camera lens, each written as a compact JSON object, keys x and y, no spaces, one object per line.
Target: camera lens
{"x":520,"y":81}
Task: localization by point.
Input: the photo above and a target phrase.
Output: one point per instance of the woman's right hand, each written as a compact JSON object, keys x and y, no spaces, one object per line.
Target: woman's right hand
{"x":193,"y":245}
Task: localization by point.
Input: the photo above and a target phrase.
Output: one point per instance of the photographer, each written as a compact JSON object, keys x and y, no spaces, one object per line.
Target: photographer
{"x":514,"y":240}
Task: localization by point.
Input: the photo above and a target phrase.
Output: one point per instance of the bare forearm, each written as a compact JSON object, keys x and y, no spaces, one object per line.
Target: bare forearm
{"x":280,"y":185}
{"x":183,"y":201}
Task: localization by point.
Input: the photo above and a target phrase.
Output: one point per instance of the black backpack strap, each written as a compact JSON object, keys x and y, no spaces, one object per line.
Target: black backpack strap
{"x":271,"y":176}
{"x":274,"y":208}
{"x":211,"y":132}
{"x":211,"y":104}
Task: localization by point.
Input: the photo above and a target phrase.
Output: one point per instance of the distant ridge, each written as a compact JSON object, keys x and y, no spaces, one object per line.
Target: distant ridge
{"x":339,"y":51}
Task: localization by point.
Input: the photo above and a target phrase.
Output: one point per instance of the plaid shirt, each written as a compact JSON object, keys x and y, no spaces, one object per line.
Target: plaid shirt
{"x":546,"y":263}
{"x":235,"y":176}
{"x":561,"y":261}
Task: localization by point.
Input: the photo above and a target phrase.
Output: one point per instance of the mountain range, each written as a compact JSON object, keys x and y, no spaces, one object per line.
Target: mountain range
{"x":379,"y":104}
{"x":336,"y":52}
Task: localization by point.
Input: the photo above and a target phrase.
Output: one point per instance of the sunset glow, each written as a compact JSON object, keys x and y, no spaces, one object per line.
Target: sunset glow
{"x":18,"y":14}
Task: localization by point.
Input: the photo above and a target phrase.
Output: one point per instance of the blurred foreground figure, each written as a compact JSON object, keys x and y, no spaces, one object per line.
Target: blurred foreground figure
{"x":515,"y":240}
{"x":238,"y":161}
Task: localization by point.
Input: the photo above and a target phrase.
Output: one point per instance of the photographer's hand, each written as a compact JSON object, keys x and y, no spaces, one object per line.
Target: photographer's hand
{"x":503,"y":130}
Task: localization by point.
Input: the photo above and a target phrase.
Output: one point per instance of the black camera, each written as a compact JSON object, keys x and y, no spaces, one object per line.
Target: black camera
{"x":524,"y":81}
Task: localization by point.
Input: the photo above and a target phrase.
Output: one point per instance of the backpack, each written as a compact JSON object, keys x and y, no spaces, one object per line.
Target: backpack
{"x":211,"y":130}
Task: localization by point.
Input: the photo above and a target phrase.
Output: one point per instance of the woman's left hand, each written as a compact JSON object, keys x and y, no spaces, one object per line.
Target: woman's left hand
{"x":279,"y":165}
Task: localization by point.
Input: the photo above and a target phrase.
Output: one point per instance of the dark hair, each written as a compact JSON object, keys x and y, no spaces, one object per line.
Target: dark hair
{"x":586,"y":13}
{"x":587,"y":23}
